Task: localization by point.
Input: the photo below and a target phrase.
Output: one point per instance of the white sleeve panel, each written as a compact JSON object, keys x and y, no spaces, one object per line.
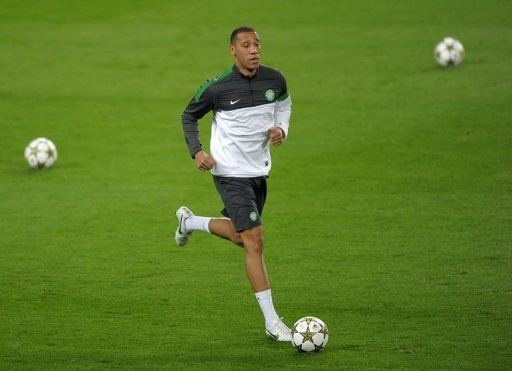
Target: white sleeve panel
{"x":282,"y":115}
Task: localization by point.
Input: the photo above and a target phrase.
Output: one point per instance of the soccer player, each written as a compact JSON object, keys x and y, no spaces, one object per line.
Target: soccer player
{"x":252,"y":108}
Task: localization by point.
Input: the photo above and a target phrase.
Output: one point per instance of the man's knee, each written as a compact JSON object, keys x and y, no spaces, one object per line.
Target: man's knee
{"x":236,"y":238}
{"x":252,"y":239}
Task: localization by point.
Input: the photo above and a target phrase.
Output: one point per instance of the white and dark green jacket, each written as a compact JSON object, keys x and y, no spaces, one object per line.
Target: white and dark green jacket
{"x":244,"y":109}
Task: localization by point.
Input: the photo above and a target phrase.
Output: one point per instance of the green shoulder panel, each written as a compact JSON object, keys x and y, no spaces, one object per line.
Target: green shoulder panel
{"x":208,"y":82}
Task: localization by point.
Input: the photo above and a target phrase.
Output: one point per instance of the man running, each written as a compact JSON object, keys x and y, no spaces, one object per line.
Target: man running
{"x":252,"y":110}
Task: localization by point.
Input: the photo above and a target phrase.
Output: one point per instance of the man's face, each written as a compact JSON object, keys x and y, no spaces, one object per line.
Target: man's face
{"x":247,"y":50}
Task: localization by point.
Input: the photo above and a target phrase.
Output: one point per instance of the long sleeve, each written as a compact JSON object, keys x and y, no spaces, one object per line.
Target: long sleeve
{"x":283,"y":109}
{"x":199,"y":106}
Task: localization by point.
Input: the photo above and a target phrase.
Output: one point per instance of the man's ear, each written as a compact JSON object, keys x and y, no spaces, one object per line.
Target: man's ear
{"x":232,"y":49}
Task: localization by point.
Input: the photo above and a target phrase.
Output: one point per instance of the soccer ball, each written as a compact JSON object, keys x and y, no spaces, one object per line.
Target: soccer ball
{"x":309,"y":334}
{"x":449,"y":52}
{"x":41,"y":153}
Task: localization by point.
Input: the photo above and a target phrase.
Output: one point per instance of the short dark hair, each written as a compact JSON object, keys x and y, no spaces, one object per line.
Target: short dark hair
{"x":238,"y":30}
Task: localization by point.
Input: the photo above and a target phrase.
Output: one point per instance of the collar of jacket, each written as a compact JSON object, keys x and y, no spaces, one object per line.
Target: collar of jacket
{"x":237,"y":72}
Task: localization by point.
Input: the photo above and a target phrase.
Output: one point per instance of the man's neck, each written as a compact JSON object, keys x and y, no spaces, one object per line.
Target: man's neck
{"x":244,"y":71}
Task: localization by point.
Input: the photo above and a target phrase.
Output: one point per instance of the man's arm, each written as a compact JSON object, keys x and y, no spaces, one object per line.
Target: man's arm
{"x":199,"y":106}
{"x":283,"y":109}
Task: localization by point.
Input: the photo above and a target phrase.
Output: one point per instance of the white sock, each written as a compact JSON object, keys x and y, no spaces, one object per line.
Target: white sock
{"x":267,"y":307}
{"x":197,"y":223}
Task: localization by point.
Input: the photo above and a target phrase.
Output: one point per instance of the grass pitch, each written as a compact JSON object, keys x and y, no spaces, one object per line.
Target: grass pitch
{"x":390,"y":207}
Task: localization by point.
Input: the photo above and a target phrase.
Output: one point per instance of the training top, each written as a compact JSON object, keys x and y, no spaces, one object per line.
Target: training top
{"x":244,"y":109}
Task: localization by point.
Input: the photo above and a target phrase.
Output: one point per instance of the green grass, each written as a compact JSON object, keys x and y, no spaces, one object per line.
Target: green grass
{"x":390,"y":206}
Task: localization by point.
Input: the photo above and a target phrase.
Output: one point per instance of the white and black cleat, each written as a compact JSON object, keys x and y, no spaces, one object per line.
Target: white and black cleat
{"x":279,"y":331}
{"x":181,"y":236}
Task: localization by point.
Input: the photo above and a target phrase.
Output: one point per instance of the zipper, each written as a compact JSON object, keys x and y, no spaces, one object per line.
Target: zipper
{"x":250,"y":88}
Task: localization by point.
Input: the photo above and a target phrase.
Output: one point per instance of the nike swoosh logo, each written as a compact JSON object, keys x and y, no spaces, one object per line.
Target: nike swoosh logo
{"x":272,"y":335}
{"x":233,"y":102}
{"x":181,"y":224}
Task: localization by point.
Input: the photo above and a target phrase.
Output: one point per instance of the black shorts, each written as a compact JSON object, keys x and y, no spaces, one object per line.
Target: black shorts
{"x":243,"y":199}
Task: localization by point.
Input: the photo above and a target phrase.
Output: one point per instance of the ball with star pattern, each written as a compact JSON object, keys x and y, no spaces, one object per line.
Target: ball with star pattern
{"x":449,"y":52}
{"x":309,"y":334}
{"x":41,"y":153}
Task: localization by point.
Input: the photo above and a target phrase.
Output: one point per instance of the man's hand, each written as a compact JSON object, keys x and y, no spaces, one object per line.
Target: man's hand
{"x":276,"y":136}
{"x":204,"y":161}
